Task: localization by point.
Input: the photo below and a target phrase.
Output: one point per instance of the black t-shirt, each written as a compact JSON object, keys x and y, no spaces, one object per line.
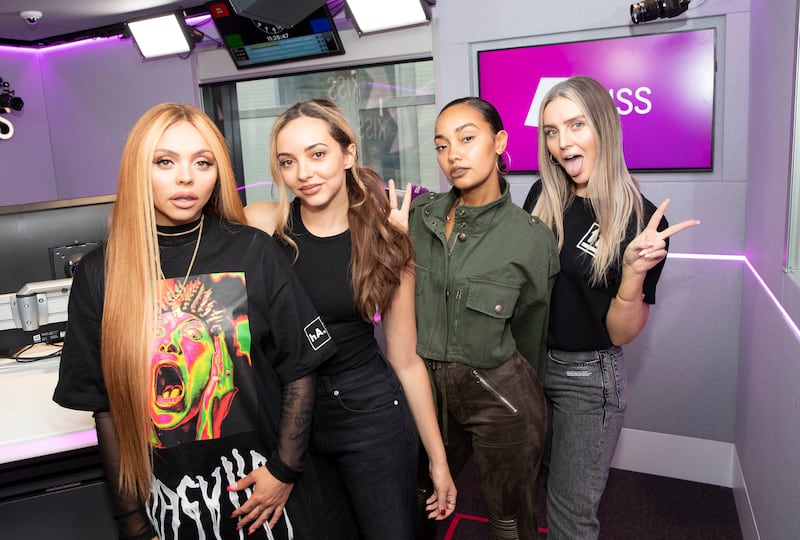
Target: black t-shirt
{"x":578,"y":310}
{"x":323,"y":265}
{"x":226,"y":343}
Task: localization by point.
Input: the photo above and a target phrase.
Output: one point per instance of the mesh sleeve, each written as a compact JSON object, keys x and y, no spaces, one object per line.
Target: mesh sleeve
{"x":128,"y":512}
{"x":297,"y":405}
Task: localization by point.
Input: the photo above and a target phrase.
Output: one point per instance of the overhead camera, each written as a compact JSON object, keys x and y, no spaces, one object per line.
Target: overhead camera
{"x":7,"y":98}
{"x":649,"y":10}
{"x":10,"y":101}
{"x":31,"y":17}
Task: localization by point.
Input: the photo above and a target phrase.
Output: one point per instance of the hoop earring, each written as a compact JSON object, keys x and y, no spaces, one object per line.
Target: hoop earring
{"x":553,"y":160}
{"x":506,"y":163}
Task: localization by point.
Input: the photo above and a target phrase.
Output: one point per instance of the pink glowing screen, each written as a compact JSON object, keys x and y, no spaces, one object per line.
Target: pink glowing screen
{"x":663,"y":85}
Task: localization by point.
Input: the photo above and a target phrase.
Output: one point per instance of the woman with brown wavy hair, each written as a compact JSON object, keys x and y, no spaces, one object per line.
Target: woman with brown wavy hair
{"x":189,"y":339}
{"x":358,"y":271}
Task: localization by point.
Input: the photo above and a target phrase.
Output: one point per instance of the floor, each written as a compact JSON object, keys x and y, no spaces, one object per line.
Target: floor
{"x":635,"y":506}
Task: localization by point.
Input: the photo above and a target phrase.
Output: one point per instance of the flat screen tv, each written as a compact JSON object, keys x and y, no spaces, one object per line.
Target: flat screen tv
{"x":44,"y":242}
{"x":252,"y":43}
{"x":663,"y":85}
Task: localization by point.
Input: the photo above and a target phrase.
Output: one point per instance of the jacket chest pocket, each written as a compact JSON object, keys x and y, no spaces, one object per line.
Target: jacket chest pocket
{"x":485,"y":323}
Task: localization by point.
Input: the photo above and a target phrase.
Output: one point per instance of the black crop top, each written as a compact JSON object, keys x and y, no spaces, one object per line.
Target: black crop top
{"x":323,"y":265}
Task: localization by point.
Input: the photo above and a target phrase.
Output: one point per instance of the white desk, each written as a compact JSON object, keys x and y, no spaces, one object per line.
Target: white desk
{"x":31,"y":423}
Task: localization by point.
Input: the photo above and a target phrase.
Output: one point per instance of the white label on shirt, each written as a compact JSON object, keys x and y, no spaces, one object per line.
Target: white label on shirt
{"x":317,"y":334}
{"x":588,"y":243}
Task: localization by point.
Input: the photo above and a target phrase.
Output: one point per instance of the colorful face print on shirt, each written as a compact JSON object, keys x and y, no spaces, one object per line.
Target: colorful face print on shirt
{"x":193,"y":369}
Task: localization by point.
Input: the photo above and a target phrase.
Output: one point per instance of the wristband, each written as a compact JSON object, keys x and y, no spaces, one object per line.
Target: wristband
{"x":281,"y":470}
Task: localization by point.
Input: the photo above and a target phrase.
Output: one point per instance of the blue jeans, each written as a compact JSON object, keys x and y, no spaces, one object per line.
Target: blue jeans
{"x":586,"y":403}
{"x":364,"y":446}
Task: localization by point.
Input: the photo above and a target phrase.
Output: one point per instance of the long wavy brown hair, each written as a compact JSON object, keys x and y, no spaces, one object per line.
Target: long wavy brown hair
{"x":380,"y":253}
{"x":131,"y":275}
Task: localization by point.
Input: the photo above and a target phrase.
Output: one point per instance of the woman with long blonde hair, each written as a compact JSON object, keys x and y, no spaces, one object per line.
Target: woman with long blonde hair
{"x":189,"y":339}
{"x":358,"y":271}
{"x":612,"y":245}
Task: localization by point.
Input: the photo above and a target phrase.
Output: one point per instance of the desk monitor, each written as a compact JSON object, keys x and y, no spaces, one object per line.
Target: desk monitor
{"x":43,"y":242}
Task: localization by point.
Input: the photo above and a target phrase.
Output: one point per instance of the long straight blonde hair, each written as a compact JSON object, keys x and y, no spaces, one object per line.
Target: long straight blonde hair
{"x":132,"y":270}
{"x":612,"y":191}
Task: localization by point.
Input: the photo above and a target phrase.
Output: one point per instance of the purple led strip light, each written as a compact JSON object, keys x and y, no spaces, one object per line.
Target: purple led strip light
{"x":193,"y":21}
{"x":742,"y":258}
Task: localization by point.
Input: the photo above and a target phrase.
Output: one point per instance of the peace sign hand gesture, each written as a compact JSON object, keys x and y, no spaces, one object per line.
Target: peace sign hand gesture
{"x":650,"y":246}
{"x":398,"y":217}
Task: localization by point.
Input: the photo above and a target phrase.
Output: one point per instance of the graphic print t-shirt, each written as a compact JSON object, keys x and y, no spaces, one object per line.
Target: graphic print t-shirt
{"x":226,"y":341}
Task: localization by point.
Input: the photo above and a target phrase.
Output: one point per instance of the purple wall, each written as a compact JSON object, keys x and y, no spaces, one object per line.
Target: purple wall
{"x":768,"y":409}
{"x":26,"y":159}
{"x":80,"y":102}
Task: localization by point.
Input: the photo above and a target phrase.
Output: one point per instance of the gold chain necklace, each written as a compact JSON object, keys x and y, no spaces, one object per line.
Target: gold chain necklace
{"x":182,"y":233}
{"x":452,"y":210}
{"x":199,"y":228}
{"x":451,"y":238}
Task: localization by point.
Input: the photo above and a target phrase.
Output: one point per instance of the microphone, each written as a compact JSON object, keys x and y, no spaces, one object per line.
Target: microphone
{"x":416,"y":191}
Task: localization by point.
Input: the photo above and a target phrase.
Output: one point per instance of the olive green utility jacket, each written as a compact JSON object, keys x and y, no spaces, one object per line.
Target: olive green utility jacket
{"x":487,"y":293}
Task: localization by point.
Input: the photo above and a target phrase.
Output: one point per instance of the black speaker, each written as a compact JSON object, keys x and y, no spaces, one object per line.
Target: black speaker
{"x":277,"y":12}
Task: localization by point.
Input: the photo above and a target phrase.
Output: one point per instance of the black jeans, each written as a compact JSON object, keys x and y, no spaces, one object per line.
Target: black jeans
{"x":365,"y":450}
{"x":498,"y":416}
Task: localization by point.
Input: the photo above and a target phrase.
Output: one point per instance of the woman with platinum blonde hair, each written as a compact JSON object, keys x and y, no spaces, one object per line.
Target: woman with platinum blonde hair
{"x":612,"y":245}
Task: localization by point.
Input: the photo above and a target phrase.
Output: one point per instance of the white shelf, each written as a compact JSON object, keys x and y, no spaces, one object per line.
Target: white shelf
{"x":32,"y":424}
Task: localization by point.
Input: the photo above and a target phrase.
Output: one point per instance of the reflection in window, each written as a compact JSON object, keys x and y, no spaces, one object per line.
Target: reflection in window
{"x":390,"y":107}
{"x":793,"y":236}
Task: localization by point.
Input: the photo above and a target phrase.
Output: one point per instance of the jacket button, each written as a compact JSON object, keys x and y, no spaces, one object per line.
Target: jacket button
{"x":535,"y":219}
{"x":462,"y":237}
{"x":499,"y":309}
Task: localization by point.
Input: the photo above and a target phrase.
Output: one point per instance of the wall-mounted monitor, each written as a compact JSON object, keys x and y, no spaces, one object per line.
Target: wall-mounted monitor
{"x":41,"y":244}
{"x":663,"y":85}
{"x":252,"y":43}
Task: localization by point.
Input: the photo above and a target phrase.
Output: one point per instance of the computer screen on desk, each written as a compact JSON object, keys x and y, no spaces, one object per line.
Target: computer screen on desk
{"x":41,"y":244}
